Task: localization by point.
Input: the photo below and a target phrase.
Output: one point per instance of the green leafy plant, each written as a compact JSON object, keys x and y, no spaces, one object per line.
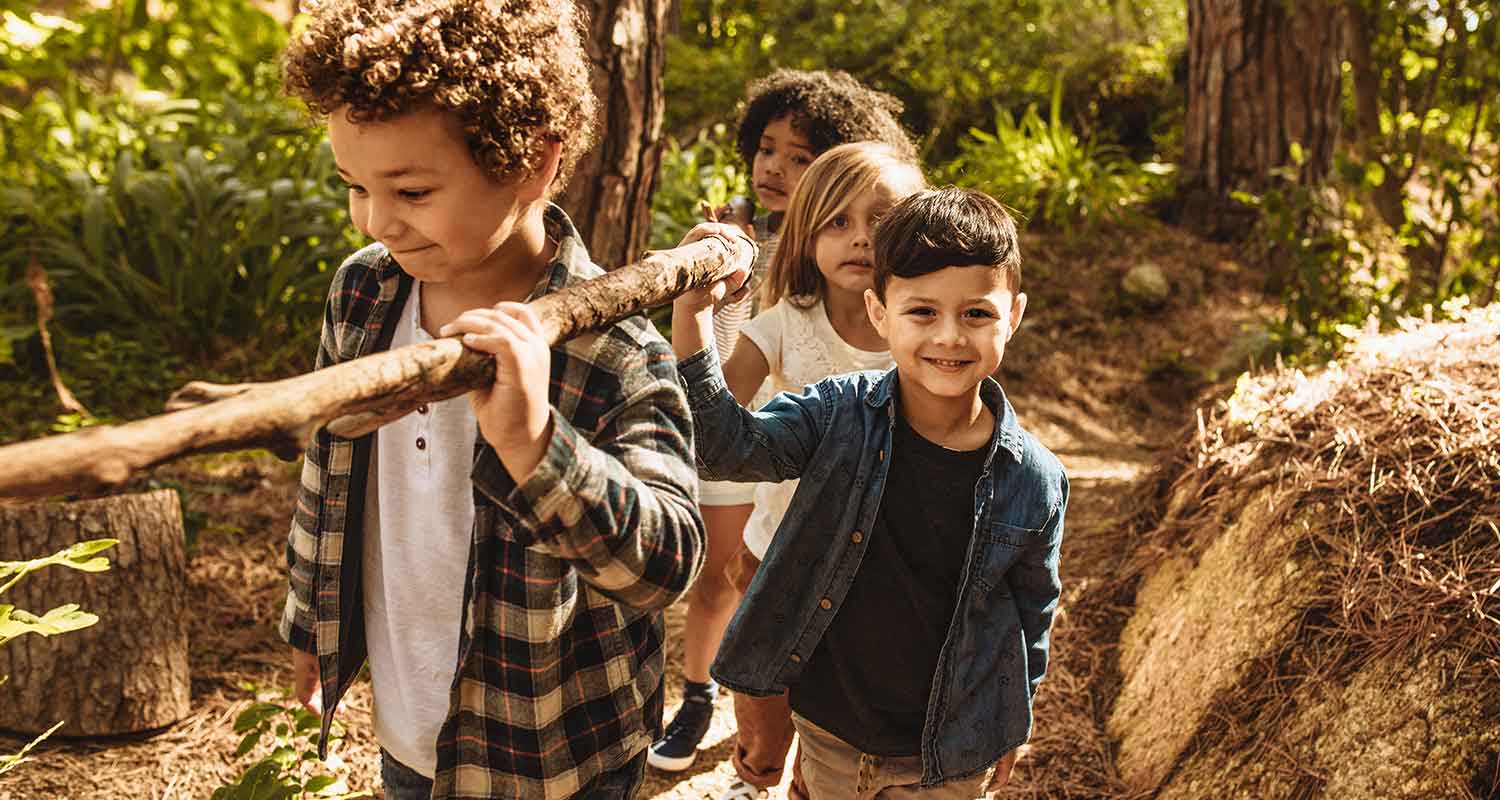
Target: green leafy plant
{"x":1047,"y":172}
{"x":704,"y":170}
{"x":291,"y":768}
{"x":1322,"y":256}
{"x":15,"y":622}
{"x":192,"y":210}
{"x":199,"y":250}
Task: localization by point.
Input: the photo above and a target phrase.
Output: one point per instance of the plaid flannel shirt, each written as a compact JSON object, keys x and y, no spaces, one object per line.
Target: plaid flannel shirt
{"x":560,"y":653}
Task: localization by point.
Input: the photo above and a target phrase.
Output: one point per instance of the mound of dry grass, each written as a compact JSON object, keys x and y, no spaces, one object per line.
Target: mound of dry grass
{"x":1325,"y":541}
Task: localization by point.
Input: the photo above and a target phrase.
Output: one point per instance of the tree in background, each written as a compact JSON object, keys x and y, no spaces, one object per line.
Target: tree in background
{"x":1263,"y":92}
{"x":609,"y":195}
{"x":1262,"y":145}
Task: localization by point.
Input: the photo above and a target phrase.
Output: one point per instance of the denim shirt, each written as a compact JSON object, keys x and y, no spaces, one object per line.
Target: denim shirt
{"x":836,"y":437}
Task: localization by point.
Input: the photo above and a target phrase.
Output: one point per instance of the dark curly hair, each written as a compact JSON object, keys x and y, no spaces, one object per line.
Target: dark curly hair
{"x":829,"y":107}
{"x":515,"y":73}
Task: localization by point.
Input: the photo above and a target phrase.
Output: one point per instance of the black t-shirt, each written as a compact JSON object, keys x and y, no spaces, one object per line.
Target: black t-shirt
{"x":869,"y":679}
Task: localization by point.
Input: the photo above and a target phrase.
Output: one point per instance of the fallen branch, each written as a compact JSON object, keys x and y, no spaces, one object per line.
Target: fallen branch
{"x":352,"y":398}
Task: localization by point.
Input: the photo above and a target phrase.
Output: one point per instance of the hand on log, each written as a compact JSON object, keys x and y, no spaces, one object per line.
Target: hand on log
{"x":352,"y":398}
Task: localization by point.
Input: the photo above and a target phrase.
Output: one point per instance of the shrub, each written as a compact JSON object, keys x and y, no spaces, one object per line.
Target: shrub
{"x":1327,"y":262}
{"x":1047,"y":173}
{"x":288,"y":770}
{"x":705,"y":170}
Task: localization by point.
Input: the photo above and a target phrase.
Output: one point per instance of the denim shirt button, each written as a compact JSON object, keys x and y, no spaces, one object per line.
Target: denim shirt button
{"x":796,"y":659}
{"x":825,"y":603}
{"x":857,"y":537}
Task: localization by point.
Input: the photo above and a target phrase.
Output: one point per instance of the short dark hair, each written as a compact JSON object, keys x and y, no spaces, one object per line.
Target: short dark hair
{"x":948,"y":227}
{"x":829,"y":107}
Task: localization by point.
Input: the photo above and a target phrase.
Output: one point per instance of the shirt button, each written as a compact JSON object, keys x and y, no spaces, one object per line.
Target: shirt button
{"x":796,"y":659}
{"x":421,"y":443}
{"x":857,"y":537}
{"x":422,"y":409}
{"x":826,"y":603}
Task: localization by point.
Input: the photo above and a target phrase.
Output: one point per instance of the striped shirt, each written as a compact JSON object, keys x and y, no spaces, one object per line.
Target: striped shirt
{"x":559,"y":668}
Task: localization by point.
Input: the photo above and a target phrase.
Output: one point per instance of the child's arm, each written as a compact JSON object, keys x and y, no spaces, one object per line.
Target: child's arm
{"x":733,"y":443}
{"x":1035,"y":583}
{"x":618,"y":505}
{"x":746,"y":370}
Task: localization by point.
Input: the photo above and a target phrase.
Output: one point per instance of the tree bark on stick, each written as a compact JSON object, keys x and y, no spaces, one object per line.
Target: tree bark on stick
{"x":352,"y":398}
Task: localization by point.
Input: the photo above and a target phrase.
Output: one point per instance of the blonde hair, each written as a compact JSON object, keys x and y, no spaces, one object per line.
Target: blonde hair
{"x":828,"y":186}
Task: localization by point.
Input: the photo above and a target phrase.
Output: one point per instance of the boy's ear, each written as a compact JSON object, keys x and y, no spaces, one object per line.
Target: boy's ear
{"x":1017,"y":310}
{"x":535,"y":185}
{"x":876,"y":309}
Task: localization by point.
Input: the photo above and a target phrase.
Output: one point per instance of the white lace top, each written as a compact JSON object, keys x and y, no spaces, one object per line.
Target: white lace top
{"x":802,"y":348}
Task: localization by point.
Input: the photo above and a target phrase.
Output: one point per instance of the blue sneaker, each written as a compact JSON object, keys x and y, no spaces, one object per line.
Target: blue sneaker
{"x":678,"y":748}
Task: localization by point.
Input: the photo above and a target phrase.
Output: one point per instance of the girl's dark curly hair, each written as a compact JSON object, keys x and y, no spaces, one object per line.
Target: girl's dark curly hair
{"x":514,"y":72}
{"x":829,"y":107}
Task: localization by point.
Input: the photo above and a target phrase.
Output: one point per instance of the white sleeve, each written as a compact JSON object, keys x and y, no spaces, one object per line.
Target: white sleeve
{"x":765,"y":330}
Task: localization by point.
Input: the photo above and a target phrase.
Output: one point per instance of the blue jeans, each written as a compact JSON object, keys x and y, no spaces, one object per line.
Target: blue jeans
{"x":404,"y":783}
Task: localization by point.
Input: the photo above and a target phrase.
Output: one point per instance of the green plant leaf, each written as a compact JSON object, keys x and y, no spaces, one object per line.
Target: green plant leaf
{"x":248,"y":743}
{"x":14,"y":622}
{"x":253,"y":716}
{"x":318,"y":783}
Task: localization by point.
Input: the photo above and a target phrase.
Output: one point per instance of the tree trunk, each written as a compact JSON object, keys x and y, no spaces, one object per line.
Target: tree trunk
{"x":609,"y":195}
{"x":1262,"y":75}
{"x":129,"y":672}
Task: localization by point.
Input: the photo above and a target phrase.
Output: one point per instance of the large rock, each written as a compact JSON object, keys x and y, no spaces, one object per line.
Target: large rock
{"x":1196,"y":631}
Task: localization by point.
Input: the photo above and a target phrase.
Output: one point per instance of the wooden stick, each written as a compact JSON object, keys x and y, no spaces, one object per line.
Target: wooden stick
{"x":352,"y":398}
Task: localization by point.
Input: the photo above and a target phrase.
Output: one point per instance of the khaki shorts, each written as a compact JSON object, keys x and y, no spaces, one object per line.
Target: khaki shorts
{"x":832,"y":769}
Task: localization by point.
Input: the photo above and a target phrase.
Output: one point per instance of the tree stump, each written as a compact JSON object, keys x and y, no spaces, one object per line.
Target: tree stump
{"x":127,"y":673}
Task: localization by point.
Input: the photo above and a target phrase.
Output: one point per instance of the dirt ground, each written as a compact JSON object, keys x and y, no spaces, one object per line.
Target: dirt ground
{"x":1101,"y":383}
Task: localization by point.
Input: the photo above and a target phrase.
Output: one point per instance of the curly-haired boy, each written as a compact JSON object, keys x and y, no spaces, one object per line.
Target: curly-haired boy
{"x":501,"y":561}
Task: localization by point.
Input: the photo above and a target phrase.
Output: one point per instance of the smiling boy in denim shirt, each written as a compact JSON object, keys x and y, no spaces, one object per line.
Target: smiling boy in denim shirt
{"x":907,"y":599}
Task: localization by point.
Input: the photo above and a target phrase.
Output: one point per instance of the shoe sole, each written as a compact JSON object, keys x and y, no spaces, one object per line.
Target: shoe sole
{"x":670,"y":764}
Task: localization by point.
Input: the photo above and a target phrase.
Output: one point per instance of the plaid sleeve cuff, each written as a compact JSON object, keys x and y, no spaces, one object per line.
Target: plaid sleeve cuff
{"x":547,"y":501}
{"x":294,"y":629}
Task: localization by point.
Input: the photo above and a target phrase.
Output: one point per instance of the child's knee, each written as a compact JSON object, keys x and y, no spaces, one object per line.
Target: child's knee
{"x":741,"y":569}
